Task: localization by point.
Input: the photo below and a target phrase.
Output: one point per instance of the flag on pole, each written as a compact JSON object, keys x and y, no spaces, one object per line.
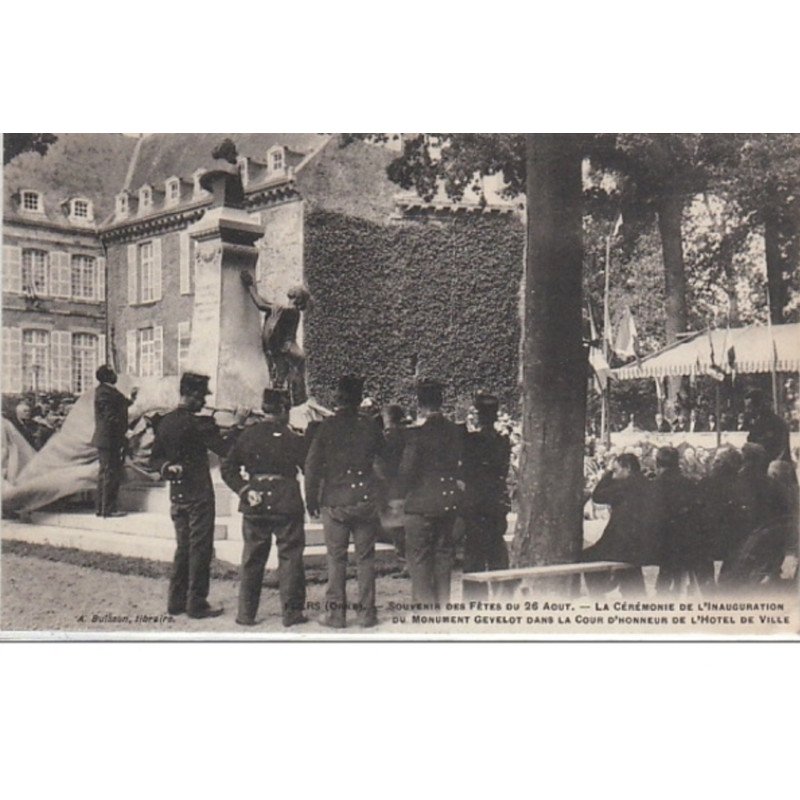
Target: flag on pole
{"x":717,"y":372}
{"x":625,"y":341}
{"x":597,"y":360}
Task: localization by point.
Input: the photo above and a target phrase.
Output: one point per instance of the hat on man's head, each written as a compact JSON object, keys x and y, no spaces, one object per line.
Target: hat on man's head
{"x":486,"y":404}
{"x":430,"y":393}
{"x":350,"y":390}
{"x":194,"y":383}
{"x":275,"y":401}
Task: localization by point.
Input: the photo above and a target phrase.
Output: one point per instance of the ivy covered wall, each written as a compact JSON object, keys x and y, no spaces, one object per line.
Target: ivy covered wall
{"x":434,"y":296}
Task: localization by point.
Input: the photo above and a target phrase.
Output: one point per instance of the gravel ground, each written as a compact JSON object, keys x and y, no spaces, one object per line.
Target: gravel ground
{"x":57,"y":589}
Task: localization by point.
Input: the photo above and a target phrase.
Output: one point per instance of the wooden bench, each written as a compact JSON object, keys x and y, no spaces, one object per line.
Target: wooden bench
{"x":496,"y":583}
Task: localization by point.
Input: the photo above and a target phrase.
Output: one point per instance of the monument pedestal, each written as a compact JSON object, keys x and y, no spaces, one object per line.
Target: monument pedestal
{"x":226,"y":342}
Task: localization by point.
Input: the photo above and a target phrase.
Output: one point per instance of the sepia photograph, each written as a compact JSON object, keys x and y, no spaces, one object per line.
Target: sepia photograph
{"x":400,"y":386}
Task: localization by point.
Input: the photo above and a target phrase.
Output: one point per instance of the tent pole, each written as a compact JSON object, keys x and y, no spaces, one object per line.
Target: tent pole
{"x":718,"y":414}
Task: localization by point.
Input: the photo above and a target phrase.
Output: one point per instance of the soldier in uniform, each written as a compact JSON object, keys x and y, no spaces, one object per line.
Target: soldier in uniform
{"x":340,"y":478}
{"x":180,"y":454}
{"x":487,"y":455}
{"x":270,"y":454}
{"x":430,"y":475}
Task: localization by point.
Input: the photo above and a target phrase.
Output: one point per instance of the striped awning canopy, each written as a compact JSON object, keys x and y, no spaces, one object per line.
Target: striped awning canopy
{"x":754,"y":348}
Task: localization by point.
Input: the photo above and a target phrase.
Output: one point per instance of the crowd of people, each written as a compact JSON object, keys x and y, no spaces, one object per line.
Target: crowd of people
{"x":37,"y":418}
{"x":366,"y":471}
{"x":743,"y":514}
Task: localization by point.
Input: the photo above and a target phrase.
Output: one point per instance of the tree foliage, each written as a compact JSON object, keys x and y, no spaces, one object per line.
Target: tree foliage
{"x":16,"y":143}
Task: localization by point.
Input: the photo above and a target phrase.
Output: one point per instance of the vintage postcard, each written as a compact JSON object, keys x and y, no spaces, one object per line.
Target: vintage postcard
{"x":400,"y":386}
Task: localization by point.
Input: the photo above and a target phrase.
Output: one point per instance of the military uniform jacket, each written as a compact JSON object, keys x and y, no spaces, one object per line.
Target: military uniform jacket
{"x":270,"y":454}
{"x":487,"y":456}
{"x":185,"y":438}
{"x":430,"y":467}
{"x":110,"y":417}
{"x":340,"y":464}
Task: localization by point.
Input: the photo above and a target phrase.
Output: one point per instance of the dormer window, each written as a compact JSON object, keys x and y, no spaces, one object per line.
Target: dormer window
{"x":80,"y":209}
{"x":31,"y":202}
{"x":276,"y":160}
{"x":198,"y":190}
{"x":145,"y":199}
{"x":122,"y":204}
{"x":173,"y":188}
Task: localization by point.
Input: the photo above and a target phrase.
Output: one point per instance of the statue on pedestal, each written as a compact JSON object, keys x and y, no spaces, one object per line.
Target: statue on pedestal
{"x":285,"y":358}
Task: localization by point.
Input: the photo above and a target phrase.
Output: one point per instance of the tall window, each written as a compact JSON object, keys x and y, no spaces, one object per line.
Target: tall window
{"x":145,"y":199}
{"x":173,"y":191}
{"x":147,"y":352}
{"x":84,"y":278}
{"x":84,"y":361}
{"x":122,"y":204}
{"x":31,"y":201}
{"x":34,"y":271}
{"x":184,"y":340}
{"x":146,"y":271}
{"x":35,"y":360}
{"x":276,"y":161}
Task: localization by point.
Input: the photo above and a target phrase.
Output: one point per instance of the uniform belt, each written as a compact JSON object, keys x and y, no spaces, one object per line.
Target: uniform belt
{"x":267,"y":476}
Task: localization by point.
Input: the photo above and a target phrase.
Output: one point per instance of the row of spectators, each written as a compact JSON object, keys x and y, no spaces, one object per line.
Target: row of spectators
{"x":37,"y":417}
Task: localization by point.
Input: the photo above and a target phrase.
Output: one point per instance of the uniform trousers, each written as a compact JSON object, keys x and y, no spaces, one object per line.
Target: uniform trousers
{"x":191,"y":568}
{"x":430,"y":553}
{"x":484,"y":545}
{"x":291,"y":541}
{"x":112,"y":460}
{"x":339,"y":523}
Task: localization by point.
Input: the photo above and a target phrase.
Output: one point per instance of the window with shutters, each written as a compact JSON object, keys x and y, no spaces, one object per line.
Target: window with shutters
{"x":84,"y":361}
{"x":151,"y":351}
{"x":34,"y":272}
{"x":146,"y":273}
{"x":84,"y":278}
{"x":35,"y":360}
{"x":12,"y":360}
{"x":32,"y":201}
{"x":185,"y":262}
{"x":147,"y":352}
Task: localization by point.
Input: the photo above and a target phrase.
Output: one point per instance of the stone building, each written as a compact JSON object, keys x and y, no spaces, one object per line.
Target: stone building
{"x":54,"y":271}
{"x":401,"y":289}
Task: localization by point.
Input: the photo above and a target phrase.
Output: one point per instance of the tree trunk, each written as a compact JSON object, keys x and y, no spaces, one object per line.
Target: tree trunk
{"x":670,"y":212}
{"x":554,"y":360}
{"x":775,"y":268}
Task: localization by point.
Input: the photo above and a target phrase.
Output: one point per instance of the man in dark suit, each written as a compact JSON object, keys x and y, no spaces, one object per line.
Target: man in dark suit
{"x":270,"y":455}
{"x":180,"y":454}
{"x":766,"y":427}
{"x":430,"y":471}
{"x":487,"y":455}
{"x":631,"y":534}
{"x":341,"y":480}
{"x":110,"y":428}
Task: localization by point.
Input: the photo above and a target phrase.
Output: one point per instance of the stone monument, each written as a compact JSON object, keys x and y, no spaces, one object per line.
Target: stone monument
{"x":222,"y":343}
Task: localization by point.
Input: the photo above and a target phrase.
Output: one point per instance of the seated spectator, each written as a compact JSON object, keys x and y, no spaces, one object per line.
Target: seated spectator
{"x":632,"y":530}
{"x":23,"y":421}
{"x":662,"y":425}
{"x":680,"y":424}
{"x":696,"y":424}
{"x":741,"y":422}
{"x":712,"y":422}
{"x":759,"y":542}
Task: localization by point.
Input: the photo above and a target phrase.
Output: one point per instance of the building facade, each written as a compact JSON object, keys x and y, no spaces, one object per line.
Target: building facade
{"x":402,"y":290}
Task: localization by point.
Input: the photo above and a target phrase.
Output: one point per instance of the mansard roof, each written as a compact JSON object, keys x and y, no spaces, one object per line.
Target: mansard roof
{"x":163,"y":155}
{"x":86,"y":165}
